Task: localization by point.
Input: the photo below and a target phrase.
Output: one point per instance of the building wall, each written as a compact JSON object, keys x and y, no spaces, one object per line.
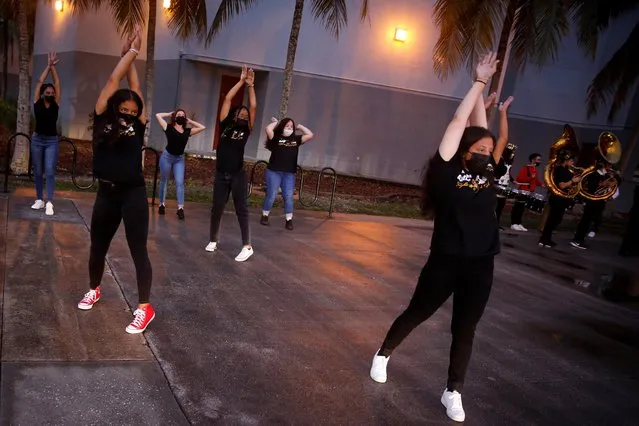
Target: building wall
{"x":375,"y":105}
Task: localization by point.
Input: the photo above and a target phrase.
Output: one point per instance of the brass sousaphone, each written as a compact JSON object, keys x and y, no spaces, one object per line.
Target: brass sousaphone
{"x":609,"y":149}
{"x":566,"y":142}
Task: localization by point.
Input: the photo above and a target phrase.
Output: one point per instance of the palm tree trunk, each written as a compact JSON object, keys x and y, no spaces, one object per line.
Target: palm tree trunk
{"x":150,"y":63}
{"x":5,"y":58}
{"x":502,"y":49}
{"x":290,"y":56}
{"x":20,"y":160}
{"x":149,"y":77}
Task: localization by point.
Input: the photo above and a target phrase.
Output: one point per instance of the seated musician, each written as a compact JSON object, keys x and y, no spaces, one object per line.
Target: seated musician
{"x":503,"y":178}
{"x":593,"y":209}
{"x":527,"y":180}
{"x":565,"y":179}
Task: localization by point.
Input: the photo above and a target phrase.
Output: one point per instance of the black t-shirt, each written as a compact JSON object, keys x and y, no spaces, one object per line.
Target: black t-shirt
{"x":593,"y":181}
{"x":176,"y":141}
{"x":561,"y":174}
{"x":284,"y":151}
{"x":465,"y":221}
{"x":230,"y":148}
{"x":118,"y":160}
{"x":46,"y":119}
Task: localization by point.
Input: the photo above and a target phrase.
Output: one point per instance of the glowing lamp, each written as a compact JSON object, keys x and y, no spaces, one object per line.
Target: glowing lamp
{"x":400,"y":34}
{"x":166,"y":4}
{"x":59,"y":5}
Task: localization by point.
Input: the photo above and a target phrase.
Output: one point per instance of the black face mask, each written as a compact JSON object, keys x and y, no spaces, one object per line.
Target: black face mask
{"x":478,"y":163}
{"x":241,"y":123}
{"x":537,"y":163}
{"x":180,"y":120}
{"x":49,"y":98}
{"x":125,"y":120}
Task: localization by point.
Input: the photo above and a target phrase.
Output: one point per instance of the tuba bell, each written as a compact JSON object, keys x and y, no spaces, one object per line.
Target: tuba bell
{"x":566,"y":142}
{"x":609,"y":149}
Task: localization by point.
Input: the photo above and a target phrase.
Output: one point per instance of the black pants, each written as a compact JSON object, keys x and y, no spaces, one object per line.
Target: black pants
{"x":114,"y":204}
{"x":226,"y":184}
{"x":592,"y":211}
{"x":557,"y":207}
{"x":501,"y":203}
{"x":517,"y":213}
{"x":469,"y":281}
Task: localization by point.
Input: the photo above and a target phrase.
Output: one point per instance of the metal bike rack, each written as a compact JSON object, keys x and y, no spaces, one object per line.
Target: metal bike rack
{"x":7,"y":165}
{"x":250,"y":185}
{"x":155,"y":174}
{"x":317,"y":189}
{"x":74,"y":163}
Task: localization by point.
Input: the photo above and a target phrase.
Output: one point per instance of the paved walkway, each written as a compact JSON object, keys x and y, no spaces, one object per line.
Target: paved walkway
{"x":287,"y":337}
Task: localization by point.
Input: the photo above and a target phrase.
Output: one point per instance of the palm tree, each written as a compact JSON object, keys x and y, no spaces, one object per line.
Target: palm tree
{"x":22,"y":13}
{"x":534,"y":30}
{"x":332,"y":13}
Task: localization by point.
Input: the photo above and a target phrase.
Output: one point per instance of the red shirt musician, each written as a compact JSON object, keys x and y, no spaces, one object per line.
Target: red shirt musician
{"x":527,"y":179}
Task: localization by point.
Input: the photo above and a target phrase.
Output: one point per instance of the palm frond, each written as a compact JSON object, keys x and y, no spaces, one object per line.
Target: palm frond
{"x":188,"y":18}
{"x":127,"y":14}
{"x":227,"y":10}
{"x":616,"y":79}
{"x":467,"y":30}
{"x":82,"y":6}
{"x":364,"y":12}
{"x":332,"y":13}
{"x":592,"y":17}
{"x":538,"y":30}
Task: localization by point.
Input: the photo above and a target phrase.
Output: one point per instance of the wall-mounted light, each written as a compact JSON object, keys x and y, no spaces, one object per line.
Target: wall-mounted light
{"x":59,"y":5}
{"x":400,"y":34}
{"x":166,"y":4}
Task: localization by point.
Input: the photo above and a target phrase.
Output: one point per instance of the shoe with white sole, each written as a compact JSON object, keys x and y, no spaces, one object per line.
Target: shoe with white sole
{"x":244,"y":254}
{"x":39,"y":204}
{"x":591,"y":234}
{"x":378,"y":369}
{"x":453,"y":403}
{"x":49,"y":209}
{"x":89,"y":299}
{"x":212,"y":246}
{"x":142,"y":317}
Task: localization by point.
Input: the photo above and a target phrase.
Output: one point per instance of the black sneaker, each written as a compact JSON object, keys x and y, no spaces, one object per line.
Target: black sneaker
{"x":180,"y":214}
{"x":162,"y":209}
{"x":578,"y":245}
{"x":289,"y":224}
{"x":264,"y":219}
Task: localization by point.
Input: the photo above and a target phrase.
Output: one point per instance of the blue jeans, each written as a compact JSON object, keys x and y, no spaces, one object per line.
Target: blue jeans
{"x":175,"y":162}
{"x":275,"y":180}
{"x":44,"y":157}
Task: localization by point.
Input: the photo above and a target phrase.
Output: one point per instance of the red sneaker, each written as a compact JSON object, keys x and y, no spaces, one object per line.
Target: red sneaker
{"x":143,"y":317}
{"x":89,"y":299}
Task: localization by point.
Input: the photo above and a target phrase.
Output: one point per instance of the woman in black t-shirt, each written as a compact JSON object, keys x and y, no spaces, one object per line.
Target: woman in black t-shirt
{"x":119,"y":122}
{"x":177,"y":136}
{"x":44,"y":141}
{"x":284,"y":145}
{"x":230,"y":179}
{"x":458,"y":187}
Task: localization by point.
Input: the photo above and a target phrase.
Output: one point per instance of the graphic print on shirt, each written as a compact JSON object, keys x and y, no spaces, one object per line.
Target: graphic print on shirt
{"x":235,"y":134}
{"x":287,"y":142}
{"x":505,"y":179}
{"x":475,"y":184}
{"x":124,"y":131}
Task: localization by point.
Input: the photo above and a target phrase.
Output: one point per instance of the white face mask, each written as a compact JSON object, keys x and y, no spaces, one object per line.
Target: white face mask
{"x":287,"y":132}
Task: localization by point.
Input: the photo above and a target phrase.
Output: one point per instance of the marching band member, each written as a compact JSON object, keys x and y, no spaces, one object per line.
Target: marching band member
{"x":527,"y":180}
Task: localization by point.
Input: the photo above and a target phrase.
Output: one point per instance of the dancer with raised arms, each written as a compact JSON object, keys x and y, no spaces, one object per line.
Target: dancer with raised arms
{"x":458,"y":187}
{"x":119,"y":122}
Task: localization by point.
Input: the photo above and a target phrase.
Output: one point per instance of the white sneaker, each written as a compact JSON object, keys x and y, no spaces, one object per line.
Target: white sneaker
{"x":49,"y":209}
{"x":591,"y":234}
{"x":378,"y":369}
{"x":211,"y":246}
{"x":515,"y":227}
{"x":244,"y":254}
{"x":521,"y":228}
{"x":39,"y":204}
{"x":453,"y":403}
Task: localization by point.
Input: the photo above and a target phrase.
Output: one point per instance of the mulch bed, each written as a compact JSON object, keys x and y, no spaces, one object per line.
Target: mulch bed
{"x":200,"y":171}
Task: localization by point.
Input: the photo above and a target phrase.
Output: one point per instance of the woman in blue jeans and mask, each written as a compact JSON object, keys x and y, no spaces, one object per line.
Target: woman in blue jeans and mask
{"x":44,"y":141}
{"x":177,"y":136}
{"x":284,"y":145}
